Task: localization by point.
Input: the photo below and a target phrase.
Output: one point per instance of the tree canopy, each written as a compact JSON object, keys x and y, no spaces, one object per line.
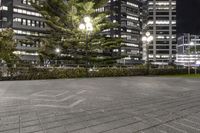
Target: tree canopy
{"x":63,"y":19}
{"x":7,"y":47}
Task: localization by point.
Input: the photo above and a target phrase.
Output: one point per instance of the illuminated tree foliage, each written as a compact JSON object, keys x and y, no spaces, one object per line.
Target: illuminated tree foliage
{"x":63,"y":19}
{"x":7,"y":47}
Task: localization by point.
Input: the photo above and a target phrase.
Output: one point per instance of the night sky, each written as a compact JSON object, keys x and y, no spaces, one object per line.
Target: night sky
{"x":188,"y":16}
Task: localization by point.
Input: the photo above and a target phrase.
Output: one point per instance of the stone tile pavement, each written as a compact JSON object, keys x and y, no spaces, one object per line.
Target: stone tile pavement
{"x":101,"y":105}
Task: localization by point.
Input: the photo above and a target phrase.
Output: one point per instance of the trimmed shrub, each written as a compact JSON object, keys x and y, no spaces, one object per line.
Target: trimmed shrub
{"x":167,"y":71}
{"x":59,"y":73}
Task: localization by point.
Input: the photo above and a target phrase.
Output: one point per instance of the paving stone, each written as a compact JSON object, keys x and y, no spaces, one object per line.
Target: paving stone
{"x":11,"y":131}
{"x":39,"y":132}
{"x":153,"y":130}
{"x":133,"y":127}
{"x":193,"y":119}
{"x":9,"y":119}
{"x":10,"y":126}
{"x":76,"y":126}
{"x":30,"y":129}
{"x":28,"y":117}
{"x":114,"y":125}
{"x":86,"y":130}
{"x":52,"y":124}
{"x":56,"y":130}
{"x":170,"y":129}
{"x":189,"y":123}
{"x":30,"y":123}
{"x":184,"y":127}
{"x":96,"y":122}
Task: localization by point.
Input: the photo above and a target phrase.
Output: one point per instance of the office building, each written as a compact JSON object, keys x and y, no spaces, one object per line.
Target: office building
{"x":26,"y":23}
{"x":162,"y":25}
{"x":188,"y":50}
{"x":128,"y":14}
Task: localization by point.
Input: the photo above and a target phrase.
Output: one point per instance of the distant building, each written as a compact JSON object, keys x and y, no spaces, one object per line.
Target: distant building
{"x":26,"y":22}
{"x":188,"y":50}
{"x":162,"y":25}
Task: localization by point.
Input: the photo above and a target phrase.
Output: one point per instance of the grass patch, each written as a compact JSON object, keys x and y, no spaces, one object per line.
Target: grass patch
{"x":185,"y":75}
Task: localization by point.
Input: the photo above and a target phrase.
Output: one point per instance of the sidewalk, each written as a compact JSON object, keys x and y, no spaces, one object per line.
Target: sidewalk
{"x":101,"y":105}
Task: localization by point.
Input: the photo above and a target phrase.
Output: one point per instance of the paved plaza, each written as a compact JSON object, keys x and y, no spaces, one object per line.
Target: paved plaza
{"x":101,"y":105}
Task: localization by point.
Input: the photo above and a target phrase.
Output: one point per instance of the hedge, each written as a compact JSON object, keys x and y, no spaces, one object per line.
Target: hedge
{"x":60,"y":73}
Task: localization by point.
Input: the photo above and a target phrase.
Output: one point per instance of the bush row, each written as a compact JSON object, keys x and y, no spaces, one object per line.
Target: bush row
{"x":59,"y":73}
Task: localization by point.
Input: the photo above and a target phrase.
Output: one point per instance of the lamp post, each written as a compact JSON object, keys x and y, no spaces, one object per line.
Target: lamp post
{"x":195,"y":53}
{"x":87,"y":27}
{"x":195,"y":59}
{"x":57,"y":50}
{"x":146,"y":39}
{"x":188,"y":53}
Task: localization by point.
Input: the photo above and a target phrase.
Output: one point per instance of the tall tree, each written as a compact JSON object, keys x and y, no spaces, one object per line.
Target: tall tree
{"x":7,"y":47}
{"x":64,"y":18}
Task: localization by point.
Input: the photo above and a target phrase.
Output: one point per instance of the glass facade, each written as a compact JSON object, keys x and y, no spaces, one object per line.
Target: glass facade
{"x":162,"y":25}
{"x":127,"y":13}
{"x":188,"y":50}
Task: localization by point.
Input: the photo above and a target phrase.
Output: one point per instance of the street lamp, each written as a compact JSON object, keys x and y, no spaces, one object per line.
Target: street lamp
{"x":57,"y":50}
{"x":87,"y":27}
{"x":195,"y":53}
{"x":146,"y":39}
